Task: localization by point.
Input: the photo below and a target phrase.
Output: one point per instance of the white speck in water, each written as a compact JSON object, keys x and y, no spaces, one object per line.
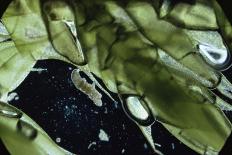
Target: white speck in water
{"x":70,"y":68}
{"x":39,"y":70}
{"x":116,"y":105}
{"x":103,"y":136}
{"x":123,"y":127}
{"x":58,"y":139}
{"x":12,"y":96}
{"x":91,"y":144}
{"x":106,"y":111}
{"x":123,"y":151}
{"x":156,"y":144}
{"x":145,"y":146}
{"x":173,"y":146}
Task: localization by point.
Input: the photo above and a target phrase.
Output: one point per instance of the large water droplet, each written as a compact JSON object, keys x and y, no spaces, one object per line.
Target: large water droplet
{"x":218,"y":58}
{"x":26,"y":129}
{"x":137,"y":110}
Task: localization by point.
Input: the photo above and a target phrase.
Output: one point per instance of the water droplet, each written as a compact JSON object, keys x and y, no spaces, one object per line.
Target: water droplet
{"x":138,"y":111}
{"x":26,"y":129}
{"x":218,"y":58}
{"x":9,"y":111}
{"x":136,"y":108}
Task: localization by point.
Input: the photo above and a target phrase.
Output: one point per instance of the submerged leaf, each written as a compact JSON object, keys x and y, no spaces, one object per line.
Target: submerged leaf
{"x":137,"y":48}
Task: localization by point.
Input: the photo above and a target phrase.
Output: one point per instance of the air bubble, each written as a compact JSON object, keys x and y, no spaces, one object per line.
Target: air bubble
{"x":137,"y":110}
{"x":219,"y":58}
{"x":9,"y":111}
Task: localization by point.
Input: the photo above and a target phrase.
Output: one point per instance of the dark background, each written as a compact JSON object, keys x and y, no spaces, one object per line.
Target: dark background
{"x":50,"y":98}
{"x":64,"y":112}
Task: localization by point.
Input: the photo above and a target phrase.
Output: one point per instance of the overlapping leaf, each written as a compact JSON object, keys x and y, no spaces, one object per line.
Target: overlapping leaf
{"x":137,"y":48}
